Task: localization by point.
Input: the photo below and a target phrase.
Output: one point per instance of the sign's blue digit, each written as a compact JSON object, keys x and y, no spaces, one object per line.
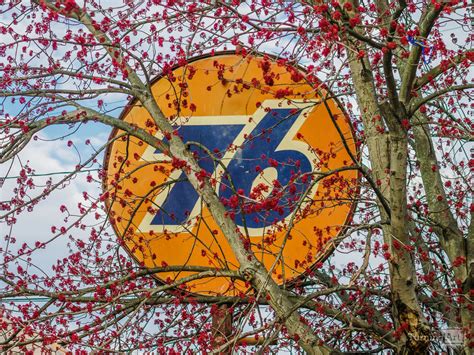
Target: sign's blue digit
{"x":264,"y":147}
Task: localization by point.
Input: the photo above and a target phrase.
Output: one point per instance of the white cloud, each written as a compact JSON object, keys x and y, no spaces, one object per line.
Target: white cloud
{"x":45,"y":157}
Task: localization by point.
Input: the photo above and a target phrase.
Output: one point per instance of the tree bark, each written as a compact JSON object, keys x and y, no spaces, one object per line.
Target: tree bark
{"x":388,"y":154}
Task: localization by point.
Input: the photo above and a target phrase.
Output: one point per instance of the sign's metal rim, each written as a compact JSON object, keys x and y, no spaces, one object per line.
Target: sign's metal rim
{"x":330,"y":246}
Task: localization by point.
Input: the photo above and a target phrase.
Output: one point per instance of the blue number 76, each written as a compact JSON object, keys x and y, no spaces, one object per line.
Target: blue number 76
{"x":267,"y":146}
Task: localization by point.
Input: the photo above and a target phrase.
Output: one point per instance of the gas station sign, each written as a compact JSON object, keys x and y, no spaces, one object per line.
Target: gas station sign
{"x":265,"y":138}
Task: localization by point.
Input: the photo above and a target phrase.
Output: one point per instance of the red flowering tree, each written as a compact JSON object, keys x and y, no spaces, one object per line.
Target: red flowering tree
{"x":400,"y":277}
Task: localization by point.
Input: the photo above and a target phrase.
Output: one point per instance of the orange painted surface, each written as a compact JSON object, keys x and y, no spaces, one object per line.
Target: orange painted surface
{"x":226,"y":85}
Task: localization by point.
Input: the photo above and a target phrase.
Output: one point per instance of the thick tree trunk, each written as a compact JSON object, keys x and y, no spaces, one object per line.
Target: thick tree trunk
{"x":388,"y":157}
{"x":406,"y":308}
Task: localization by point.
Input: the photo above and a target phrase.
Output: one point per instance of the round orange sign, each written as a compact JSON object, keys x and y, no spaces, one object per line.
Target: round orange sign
{"x":277,"y":151}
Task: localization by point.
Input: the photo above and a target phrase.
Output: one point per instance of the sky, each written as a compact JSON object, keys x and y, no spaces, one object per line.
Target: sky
{"x":50,"y":155}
